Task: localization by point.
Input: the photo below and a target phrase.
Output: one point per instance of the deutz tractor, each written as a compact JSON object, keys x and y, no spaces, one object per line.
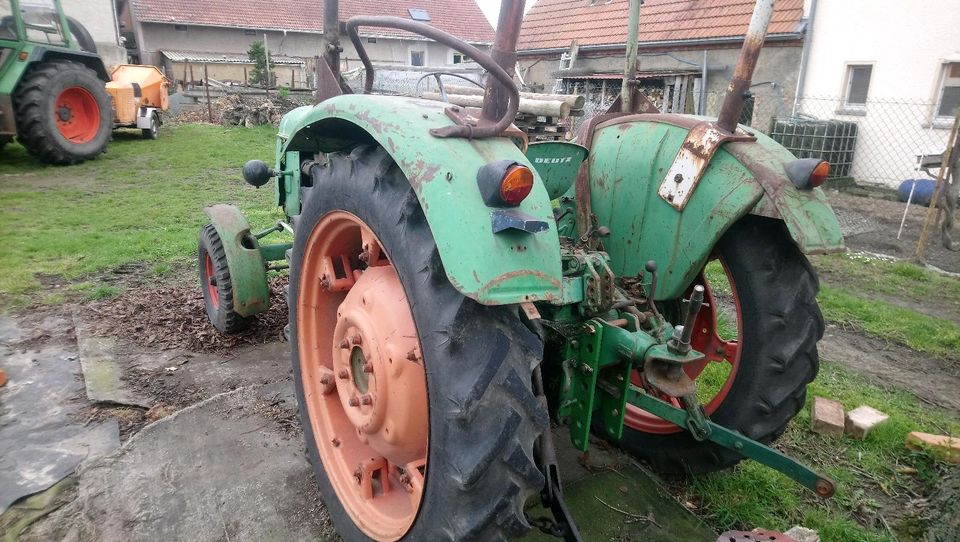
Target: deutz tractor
{"x":453,"y":289}
{"x":52,"y":95}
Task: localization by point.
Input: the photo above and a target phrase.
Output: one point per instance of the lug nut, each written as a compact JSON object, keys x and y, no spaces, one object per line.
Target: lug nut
{"x":356,"y":340}
{"x":354,"y":402}
{"x":412,"y":355}
{"x":343,"y":374}
{"x":325,"y":282}
{"x":335,"y":442}
{"x":368,"y":367}
{"x":345,"y":344}
{"x":366,"y":400}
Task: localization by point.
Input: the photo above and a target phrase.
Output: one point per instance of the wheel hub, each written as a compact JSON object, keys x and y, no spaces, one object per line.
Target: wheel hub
{"x":375,"y":357}
{"x":65,"y":114}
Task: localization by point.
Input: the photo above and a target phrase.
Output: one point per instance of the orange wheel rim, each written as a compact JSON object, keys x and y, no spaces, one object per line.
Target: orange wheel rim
{"x":211,"y":281}
{"x":363,"y":379}
{"x":78,"y":115}
{"x":705,"y":339}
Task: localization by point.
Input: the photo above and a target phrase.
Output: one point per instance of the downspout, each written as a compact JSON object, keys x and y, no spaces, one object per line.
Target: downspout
{"x":703,"y":86}
{"x":804,"y":56}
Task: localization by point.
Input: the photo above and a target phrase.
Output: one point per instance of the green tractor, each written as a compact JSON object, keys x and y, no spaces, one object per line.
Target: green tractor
{"x":52,"y":94}
{"x":454,"y":289}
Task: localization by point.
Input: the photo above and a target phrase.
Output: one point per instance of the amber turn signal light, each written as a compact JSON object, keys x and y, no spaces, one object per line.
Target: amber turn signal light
{"x":516,"y":185}
{"x":819,"y":175}
{"x":504,"y":183}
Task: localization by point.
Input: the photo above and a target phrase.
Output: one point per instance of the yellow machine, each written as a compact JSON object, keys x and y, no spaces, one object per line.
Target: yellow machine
{"x":139,"y":94}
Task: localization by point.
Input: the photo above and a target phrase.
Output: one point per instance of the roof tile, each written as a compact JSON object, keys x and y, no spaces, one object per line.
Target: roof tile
{"x":462,"y":18}
{"x":556,"y":23}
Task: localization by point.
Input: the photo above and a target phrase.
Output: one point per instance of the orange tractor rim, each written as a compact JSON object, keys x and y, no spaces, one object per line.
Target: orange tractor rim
{"x":363,"y":378}
{"x":705,"y":339}
{"x":211,"y":281}
{"x":78,"y":115}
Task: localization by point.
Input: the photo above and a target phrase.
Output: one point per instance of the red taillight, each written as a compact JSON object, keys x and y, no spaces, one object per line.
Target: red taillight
{"x":516,"y":185}
{"x":819,"y":174}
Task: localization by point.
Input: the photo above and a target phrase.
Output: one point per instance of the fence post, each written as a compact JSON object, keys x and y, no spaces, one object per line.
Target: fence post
{"x":934,"y":211}
{"x":206,"y":90}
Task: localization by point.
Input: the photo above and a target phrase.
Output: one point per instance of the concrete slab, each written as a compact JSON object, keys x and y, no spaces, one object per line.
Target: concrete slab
{"x":41,"y":442}
{"x":102,"y":370}
{"x":213,"y":471}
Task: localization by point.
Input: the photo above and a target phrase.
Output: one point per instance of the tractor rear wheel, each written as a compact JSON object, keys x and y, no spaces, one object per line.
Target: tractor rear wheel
{"x":415,"y":401}
{"x":216,"y":284}
{"x":756,"y":372}
{"x":64,"y":114}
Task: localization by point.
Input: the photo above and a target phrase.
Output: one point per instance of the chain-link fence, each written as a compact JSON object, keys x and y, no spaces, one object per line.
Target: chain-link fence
{"x":879,"y":142}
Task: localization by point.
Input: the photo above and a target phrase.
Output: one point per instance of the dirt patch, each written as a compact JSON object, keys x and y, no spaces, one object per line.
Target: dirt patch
{"x":173,"y":316}
{"x":933,"y":381}
{"x":943,"y":511}
{"x":871,"y":224}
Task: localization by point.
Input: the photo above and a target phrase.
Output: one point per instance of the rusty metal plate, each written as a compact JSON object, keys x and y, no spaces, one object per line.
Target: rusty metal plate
{"x":756,"y":535}
{"x":692,"y":160}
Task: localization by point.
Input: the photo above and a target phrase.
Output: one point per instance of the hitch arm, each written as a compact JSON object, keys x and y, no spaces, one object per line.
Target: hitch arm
{"x":728,"y":438}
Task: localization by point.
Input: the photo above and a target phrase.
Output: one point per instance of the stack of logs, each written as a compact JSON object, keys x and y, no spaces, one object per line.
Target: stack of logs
{"x":543,"y":117}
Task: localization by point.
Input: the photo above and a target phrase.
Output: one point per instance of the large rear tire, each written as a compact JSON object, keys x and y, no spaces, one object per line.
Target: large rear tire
{"x":774,"y":289}
{"x":64,"y":114}
{"x":477,"y":363}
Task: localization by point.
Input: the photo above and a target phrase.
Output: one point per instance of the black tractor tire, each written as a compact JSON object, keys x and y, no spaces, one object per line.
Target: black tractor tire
{"x":34,"y":103}
{"x":483,"y":416}
{"x":782,"y":323}
{"x":219,"y":307}
{"x":153,"y":131}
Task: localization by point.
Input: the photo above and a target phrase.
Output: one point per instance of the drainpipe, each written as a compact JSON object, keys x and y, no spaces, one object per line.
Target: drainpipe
{"x":703,"y":86}
{"x":630,"y":71}
{"x":804,"y":57}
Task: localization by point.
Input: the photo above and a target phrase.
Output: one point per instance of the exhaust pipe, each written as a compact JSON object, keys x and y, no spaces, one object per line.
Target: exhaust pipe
{"x":504,"y":53}
{"x":746,"y":63}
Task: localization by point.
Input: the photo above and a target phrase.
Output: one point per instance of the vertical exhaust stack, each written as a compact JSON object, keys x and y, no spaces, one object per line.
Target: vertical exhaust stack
{"x":746,"y":63}
{"x":633,"y":44}
{"x":504,"y":53}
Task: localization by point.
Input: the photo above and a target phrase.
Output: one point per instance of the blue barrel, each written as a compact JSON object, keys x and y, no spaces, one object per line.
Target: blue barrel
{"x":922,"y":194}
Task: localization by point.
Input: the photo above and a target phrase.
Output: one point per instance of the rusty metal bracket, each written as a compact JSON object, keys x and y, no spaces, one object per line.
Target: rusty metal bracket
{"x":692,"y":160}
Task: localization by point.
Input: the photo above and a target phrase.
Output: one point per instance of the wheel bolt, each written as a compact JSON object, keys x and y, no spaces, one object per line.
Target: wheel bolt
{"x":325,"y":282}
{"x":345,"y":344}
{"x":335,"y":442}
{"x":343,"y":374}
{"x":412,"y":355}
{"x":366,"y":400}
{"x":368,"y":367}
{"x":354,"y":402}
{"x":356,"y":340}
{"x":365,"y":256}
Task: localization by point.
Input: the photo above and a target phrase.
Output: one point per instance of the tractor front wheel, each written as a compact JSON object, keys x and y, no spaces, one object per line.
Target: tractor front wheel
{"x":64,"y":114}
{"x":761,"y":354}
{"x":415,"y":401}
{"x":216,"y":284}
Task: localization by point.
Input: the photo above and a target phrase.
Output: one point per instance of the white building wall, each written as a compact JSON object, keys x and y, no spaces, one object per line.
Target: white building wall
{"x":907,"y":43}
{"x":97,"y":16}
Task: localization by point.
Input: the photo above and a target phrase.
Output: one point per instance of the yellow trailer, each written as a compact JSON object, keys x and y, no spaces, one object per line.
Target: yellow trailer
{"x":140,"y":94}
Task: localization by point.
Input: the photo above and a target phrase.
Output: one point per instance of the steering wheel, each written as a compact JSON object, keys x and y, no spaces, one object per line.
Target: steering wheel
{"x":439,"y":36}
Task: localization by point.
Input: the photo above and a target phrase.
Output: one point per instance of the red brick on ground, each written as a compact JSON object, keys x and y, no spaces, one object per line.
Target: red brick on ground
{"x":826,"y":417}
{"x":942,"y":445}
{"x":862,"y":419}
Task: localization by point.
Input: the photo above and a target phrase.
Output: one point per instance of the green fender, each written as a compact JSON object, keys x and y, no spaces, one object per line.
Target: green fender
{"x":248,"y":270}
{"x":630,"y":156}
{"x":494,"y":269}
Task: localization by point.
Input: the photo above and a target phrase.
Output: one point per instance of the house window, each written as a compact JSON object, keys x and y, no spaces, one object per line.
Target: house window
{"x":858,"y":84}
{"x":949,"y":97}
{"x":249,"y":32}
{"x":371,"y":40}
{"x":180,"y":27}
{"x":417,"y":58}
{"x":459,"y":58}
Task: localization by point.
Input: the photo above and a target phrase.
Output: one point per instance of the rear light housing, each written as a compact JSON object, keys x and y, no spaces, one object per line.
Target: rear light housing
{"x":504,"y":183}
{"x":807,"y":173}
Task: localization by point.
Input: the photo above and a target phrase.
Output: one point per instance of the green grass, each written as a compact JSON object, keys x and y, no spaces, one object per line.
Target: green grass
{"x":866,"y":471}
{"x":142,"y":201}
{"x":920,"y":332}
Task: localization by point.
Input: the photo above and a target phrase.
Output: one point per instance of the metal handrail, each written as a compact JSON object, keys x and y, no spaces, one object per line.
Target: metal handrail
{"x":481,"y":58}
